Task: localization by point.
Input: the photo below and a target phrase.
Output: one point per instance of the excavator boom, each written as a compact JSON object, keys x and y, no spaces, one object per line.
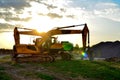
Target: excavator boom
{"x":62,"y":31}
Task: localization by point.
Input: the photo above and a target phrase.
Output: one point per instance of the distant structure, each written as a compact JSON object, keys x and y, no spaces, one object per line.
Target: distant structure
{"x":106,"y":49}
{"x":5,"y":51}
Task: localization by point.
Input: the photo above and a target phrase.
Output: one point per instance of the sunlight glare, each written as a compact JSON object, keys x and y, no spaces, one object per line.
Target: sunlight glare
{"x":84,"y":54}
{"x":40,"y":23}
{"x":7,"y":40}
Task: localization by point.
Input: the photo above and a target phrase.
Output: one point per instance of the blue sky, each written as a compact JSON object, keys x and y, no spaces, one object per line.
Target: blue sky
{"x":102,"y":17}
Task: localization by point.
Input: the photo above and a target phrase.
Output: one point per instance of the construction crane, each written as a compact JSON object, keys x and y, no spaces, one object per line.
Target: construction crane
{"x":46,"y":48}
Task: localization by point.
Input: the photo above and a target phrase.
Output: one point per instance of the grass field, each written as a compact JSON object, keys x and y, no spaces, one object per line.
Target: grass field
{"x":3,"y":75}
{"x":90,"y":70}
{"x":98,"y":70}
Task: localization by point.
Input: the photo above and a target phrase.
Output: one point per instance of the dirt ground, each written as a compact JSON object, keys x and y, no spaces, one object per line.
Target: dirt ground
{"x":27,"y":71}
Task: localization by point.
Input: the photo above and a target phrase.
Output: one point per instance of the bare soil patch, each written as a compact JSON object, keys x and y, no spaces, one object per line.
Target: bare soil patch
{"x":31,"y":71}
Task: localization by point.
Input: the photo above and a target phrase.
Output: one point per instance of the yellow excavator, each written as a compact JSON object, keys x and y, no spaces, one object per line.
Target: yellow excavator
{"x":46,"y":47}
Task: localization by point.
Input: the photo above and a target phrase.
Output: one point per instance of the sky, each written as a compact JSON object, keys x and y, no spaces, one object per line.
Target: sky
{"x":101,"y":16}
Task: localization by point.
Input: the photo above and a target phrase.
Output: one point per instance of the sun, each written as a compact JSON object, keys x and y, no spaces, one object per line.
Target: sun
{"x":40,"y":23}
{"x":37,"y":21}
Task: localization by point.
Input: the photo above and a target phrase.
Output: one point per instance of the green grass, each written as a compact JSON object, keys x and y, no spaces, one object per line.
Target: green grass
{"x":30,"y":74}
{"x":18,"y":65}
{"x":95,"y":70}
{"x":2,"y":68}
{"x":3,"y":75}
{"x":34,"y":74}
{"x":44,"y":76}
{"x":87,"y":69}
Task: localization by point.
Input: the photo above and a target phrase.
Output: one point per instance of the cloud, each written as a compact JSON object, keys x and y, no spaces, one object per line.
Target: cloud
{"x":53,"y":9}
{"x":17,"y":19}
{"x":105,"y":5}
{"x":11,"y":10}
{"x":54,"y":15}
{"x":17,"y":4}
{"x":70,"y":16}
{"x":108,"y":10}
{"x":4,"y":27}
{"x":95,"y":8}
{"x":49,"y":6}
{"x":112,"y":14}
{"x":87,"y":4}
{"x":74,"y":9}
{"x":5,"y":13}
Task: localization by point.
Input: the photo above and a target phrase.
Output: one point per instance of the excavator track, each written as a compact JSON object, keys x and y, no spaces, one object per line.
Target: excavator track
{"x":33,"y":58}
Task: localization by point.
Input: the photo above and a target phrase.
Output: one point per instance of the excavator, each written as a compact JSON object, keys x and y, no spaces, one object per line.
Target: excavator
{"x":46,"y":47}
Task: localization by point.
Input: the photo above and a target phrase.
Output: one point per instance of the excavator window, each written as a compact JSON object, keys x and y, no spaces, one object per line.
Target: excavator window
{"x":54,"y":40}
{"x":31,"y":47}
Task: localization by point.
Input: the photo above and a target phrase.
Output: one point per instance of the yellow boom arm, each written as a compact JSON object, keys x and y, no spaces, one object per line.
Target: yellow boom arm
{"x":58,"y":31}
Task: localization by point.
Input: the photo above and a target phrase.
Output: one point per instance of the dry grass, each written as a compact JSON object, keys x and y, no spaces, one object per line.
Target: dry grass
{"x":5,"y":58}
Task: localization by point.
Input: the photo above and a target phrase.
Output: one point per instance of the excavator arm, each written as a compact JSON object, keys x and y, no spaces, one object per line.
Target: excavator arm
{"x":85,"y":34}
{"x":25,"y":31}
{"x":57,"y":31}
{"x":62,"y":31}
